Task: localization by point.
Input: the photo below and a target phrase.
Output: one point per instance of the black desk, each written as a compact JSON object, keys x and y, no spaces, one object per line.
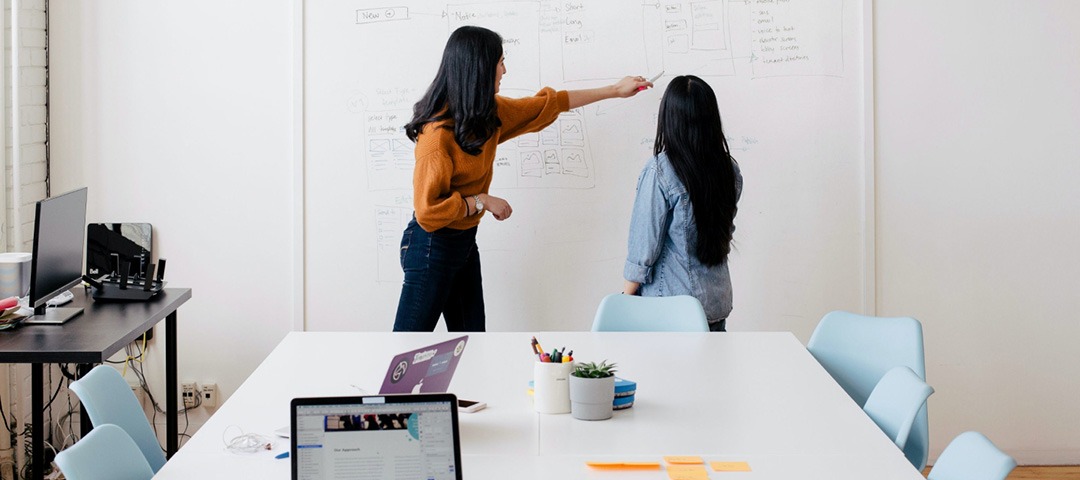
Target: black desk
{"x":92,"y":337}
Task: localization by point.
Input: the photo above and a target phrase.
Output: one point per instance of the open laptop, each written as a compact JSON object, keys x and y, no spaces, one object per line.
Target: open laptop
{"x":424,"y":370}
{"x":384,"y":437}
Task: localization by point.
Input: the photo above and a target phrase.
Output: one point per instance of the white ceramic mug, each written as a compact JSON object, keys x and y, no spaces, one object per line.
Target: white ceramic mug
{"x":551,"y":387}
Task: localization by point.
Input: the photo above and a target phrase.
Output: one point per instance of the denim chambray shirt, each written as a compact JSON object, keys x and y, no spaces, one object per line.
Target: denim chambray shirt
{"x":663,"y":238}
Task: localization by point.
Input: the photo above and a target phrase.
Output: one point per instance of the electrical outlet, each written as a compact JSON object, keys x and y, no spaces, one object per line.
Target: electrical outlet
{"x":188,"y":393}
{"x":209,"y":394}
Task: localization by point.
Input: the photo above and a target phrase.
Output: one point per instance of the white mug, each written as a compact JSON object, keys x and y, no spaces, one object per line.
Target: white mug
{"x":551,"y":387}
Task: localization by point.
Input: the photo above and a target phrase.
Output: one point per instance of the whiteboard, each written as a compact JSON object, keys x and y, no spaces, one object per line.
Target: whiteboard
{"x":789,"y":76}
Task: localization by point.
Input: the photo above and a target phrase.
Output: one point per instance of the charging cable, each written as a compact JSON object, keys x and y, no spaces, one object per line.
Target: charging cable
{"x":246,"y":443}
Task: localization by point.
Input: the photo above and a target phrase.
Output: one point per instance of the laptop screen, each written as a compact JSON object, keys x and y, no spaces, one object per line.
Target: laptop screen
{"x":378,"y":437}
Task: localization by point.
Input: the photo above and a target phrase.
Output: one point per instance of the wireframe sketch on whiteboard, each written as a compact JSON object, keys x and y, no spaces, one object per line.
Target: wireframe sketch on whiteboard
{"x":575,"y":41}
{"x":387,"y":151}
{"x":518,"y":25}
{"x":556,"y":157}
{"x":797,"y":38}
{"x":694,"y":37}
{"x":384,"y":14}
{"x":596,"y":48}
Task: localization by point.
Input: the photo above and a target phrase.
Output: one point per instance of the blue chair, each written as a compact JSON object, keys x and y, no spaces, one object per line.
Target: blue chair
{"x":969,"y":456}
{"x":107,"y":399}
{"x":106,"y":453}
{"x":895,"y":401}
{"x":857,"y":350}
{"x":630,"y":313}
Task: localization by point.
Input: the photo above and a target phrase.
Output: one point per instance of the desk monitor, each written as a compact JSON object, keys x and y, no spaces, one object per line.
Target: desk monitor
{"x":59,"y":225}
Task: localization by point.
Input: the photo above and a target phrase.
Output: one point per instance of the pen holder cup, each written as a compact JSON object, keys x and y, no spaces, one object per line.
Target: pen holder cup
{"x":551,"y":387}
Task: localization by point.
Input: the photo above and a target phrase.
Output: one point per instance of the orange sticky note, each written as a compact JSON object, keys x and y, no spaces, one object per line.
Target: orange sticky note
{"x":687,"y":472}
{"x":625,"y":465}
{"x":730,"y":466}
{"x":683,"y":460}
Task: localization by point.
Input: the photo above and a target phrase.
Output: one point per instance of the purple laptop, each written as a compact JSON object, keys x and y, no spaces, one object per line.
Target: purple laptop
{"x":424,"y":370}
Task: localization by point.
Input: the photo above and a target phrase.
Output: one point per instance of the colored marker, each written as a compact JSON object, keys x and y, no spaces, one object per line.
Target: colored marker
{"x":651,"y":80}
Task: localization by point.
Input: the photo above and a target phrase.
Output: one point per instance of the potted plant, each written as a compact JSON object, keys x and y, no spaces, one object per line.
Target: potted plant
{"x":592,"y":390}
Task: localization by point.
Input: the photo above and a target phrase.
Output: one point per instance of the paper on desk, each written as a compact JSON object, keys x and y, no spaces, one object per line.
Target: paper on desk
{"x":687,"y":472}
{"x":683,"y":459}
{"x":730,"y":466}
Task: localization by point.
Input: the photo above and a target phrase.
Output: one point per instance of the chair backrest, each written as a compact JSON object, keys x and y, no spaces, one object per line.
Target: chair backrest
{"x":972,"y":455}
{"x":895,"y":401}
{"x":107,"y":399}
{"x":630,"y":313}
{"x":857,"y":350}
{"x":104,"y":453}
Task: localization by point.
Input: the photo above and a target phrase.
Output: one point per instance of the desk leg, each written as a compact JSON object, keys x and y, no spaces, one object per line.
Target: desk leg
{"x":172,"y":426}
{"x":37,"y":421}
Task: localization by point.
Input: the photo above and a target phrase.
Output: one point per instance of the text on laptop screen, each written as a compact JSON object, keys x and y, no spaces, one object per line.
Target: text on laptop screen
{"x":376,"y":441}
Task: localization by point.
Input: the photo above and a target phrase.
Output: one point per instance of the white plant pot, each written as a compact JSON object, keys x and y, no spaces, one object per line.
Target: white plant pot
{"x":591,"y":398}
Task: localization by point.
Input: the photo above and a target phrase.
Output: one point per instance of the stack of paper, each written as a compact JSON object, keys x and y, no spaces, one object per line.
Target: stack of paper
{"x":9,"y":313}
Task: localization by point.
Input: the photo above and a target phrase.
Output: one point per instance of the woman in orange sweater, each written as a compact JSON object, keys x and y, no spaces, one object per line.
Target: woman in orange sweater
{"x":457,"y":126}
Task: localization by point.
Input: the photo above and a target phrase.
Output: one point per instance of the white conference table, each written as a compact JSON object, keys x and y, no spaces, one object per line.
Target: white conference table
{"x":757,"y":397}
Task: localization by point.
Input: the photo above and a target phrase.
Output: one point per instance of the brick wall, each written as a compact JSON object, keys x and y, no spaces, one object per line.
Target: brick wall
{"x":32,"y":99}
{"x":32,"y":148}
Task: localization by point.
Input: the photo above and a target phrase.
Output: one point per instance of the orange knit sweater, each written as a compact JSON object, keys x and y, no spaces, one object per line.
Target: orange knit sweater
{"x":444,"y":174}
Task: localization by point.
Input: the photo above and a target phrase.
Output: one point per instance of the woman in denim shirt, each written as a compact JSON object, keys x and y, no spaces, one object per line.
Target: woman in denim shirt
{"x":684,"y":212}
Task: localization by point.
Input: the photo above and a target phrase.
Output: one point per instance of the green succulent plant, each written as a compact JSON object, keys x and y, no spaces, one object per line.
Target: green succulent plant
{"x":594,"y":370}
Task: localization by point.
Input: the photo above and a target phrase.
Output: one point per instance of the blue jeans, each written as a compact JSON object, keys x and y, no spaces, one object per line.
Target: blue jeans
{"x":442,"y":276}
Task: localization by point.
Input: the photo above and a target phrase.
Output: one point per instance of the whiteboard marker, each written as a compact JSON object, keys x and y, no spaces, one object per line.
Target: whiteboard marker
{"x":651,"y":80}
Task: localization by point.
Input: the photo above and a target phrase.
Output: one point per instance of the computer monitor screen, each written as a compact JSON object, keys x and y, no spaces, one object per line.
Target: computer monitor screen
{"x":59,"y":227}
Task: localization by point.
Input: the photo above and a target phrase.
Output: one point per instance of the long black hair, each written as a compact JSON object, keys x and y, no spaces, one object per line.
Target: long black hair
{"x":689,"y":130}
{"x":463,"y":89}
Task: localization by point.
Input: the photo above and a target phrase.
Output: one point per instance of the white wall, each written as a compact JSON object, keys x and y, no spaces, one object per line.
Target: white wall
{"x":180,"y":114}
{"x":172,"y":115}
{"x":978,"y":109}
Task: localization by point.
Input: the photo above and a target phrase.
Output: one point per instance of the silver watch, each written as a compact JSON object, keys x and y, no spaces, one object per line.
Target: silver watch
{"x":479,"y":205}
